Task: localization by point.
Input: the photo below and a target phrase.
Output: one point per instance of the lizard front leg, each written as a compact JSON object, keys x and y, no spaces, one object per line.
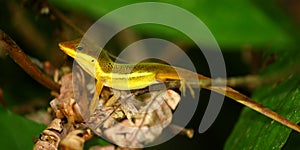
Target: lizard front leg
{"x":95,"y":100}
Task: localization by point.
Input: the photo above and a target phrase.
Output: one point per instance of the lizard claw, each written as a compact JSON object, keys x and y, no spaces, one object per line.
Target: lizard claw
{"x":184,"y":85}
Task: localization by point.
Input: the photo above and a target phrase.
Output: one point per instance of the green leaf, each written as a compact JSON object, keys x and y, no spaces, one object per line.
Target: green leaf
{"x":17,"y":133}
{"x":234,"y":23}
{"x":95,"y":141}
{"x":255,"y":131}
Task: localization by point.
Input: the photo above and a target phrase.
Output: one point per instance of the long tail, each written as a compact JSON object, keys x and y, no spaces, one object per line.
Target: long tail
{"x":243,"y":99}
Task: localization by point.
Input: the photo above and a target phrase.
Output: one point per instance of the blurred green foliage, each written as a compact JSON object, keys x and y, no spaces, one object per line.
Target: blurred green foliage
{"x":254,"y":131}
{"x":18,"y":132}
{"x":234,"y":23}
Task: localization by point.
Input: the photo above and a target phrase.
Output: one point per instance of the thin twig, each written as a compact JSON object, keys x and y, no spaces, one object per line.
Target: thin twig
{"x":65,"y":19}
{"x":17,"y":54}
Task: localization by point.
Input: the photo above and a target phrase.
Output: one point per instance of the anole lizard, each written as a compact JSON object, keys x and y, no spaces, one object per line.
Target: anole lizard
{"x":136,"y":76}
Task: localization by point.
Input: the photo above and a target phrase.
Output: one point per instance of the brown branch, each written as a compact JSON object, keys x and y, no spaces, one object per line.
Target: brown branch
{"x":17,"y":54}
{"x":2,"y":102}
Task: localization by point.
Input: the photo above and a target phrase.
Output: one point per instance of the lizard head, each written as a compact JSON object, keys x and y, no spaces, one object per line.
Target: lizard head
{"x":74,"y":50}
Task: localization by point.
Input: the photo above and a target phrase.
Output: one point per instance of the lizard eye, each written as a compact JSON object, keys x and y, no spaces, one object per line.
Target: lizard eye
{"x":79,"y":48}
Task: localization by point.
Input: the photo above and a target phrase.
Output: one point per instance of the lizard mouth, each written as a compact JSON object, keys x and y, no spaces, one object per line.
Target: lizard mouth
{"x":69,"y":47}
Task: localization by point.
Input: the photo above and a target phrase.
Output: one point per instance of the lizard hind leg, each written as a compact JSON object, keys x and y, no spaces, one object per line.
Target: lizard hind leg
{"x":184,"y":85}
{"x":174,"y":76}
